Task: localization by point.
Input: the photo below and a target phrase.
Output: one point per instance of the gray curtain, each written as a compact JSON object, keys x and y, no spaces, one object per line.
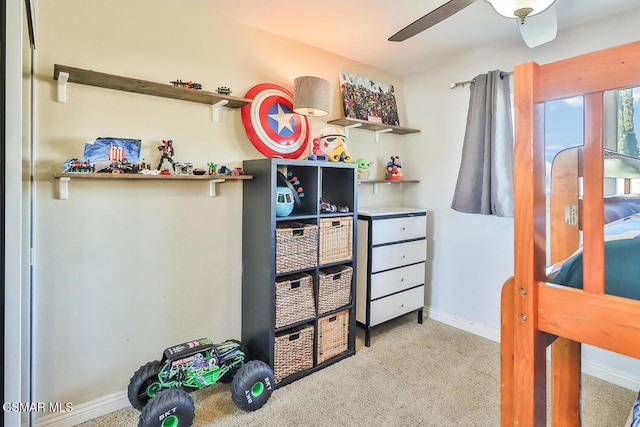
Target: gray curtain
{"x":485,"y":179}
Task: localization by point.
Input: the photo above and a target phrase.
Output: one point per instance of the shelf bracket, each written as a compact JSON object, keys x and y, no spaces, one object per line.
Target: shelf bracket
{"x":375,"y":186}
{"x":63,"y":188}
{"x":347,"y":127}
{"x":216,"y":109}
{"x":378,"y":132}
{"x":212,"y":186}
{"x":63,"y":77}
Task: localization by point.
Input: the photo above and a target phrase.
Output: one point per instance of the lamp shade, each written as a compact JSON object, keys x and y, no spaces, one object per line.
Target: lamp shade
{"x":520,"y":8}
{"x":311,"y":96}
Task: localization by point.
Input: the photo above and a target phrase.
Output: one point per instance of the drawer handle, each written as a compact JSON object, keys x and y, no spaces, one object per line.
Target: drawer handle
{"x":403,"y":228}
{"x":402,"y":279}
{"x":403,"y":256}
{"x":401,"y":305}
{"x":294,"y":337}
{"x":295,"y":283}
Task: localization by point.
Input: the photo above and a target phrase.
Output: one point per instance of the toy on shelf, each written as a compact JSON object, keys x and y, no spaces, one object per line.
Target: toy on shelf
{"x":167,"y":154}
{"x":237,"y":171}
{"x":295,"y":183}
{"x":223,"y":170}
{"x":363,"y":168}
{"x":74,"y":165}
{"x":327,"y":207}
{"x":223,"y":90}
{"x":212,"y":168}
{"x":187,"y":85}
{"x":394,"y":169}
{"x":199,"y":171}
{"x":160,"y":389}
{"x":333,"y":143}
{"x":284,"y":201}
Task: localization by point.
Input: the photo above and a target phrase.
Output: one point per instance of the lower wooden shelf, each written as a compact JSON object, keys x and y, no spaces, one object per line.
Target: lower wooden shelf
{"x":65,"y":178}
{"x":377,"y":182}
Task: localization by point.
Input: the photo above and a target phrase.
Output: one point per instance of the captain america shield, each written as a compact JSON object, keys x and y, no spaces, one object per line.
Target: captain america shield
{"x":270,"y":123}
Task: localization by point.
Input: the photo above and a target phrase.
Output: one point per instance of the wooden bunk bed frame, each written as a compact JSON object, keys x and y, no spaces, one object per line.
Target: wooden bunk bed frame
{"x":534,"y":313}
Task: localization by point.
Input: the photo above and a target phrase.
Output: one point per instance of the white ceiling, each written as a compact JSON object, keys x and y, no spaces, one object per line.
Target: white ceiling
{"x":359,"y":29}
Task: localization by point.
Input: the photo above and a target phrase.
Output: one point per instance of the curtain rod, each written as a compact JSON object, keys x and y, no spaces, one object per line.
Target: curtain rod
{"x":455,"y":85}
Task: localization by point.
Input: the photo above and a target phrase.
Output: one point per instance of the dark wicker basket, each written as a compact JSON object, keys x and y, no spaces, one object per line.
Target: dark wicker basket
{"x":334,"y":287}
{"x":294,"y":299}
{"x":333,"y":335}
{"x":336,"y":235}
{"x":293,"y":352}
{"x":296,"y":246}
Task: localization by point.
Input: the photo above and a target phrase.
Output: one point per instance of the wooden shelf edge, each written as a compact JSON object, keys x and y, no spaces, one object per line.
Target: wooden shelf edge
{"x":144,"y":176}
{"x":127,"y":84}
{"x":384,"y":181}
{"x":363,"y":124}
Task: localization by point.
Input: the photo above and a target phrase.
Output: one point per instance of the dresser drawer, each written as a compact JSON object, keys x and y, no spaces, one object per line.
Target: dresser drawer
{"x":396,"y":305}
{"x":392,"y":281}
{"x":392,"y":256}
{"x":397,"y":229}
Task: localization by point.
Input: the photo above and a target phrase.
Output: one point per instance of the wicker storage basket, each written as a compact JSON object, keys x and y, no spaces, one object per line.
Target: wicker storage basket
{"x":334,"y":287}
{"x":335,"y":239}
{"x":333,"y":335}
{"x":294,"y":299}
{"x":296,"y":246}
{"x":293,"y":352}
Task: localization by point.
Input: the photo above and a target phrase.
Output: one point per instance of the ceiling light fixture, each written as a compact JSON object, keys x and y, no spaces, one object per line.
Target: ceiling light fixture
{"x":311,"y":96}
{"x":520,"y":8}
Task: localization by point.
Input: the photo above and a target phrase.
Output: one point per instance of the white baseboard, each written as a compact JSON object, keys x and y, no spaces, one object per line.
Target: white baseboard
{"x":621,"y":379}
{"x":86,"y":411}
{"x":464,"y":324}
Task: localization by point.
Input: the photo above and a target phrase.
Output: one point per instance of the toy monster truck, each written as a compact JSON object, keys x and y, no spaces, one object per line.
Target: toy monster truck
{"x":160,"y":389}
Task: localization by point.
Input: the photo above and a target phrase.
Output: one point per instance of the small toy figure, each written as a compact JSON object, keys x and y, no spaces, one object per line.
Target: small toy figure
{"x":212,"y":168}
{"x":237,"y":171}
{"x":223,"y":170}
{"x":394,"y":169}
{"x":333,"y":142}
{"x":187,"y":85}
{"x":223,"y":90}
{"x":167,"y":153}
{"x":363,"y":168}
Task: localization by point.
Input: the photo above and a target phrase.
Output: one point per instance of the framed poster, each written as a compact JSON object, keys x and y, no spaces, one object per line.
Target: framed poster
{"x":367,"y":99}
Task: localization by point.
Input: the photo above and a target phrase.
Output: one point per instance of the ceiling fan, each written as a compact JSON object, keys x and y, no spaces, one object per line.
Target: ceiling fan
{"x":537,"y":19}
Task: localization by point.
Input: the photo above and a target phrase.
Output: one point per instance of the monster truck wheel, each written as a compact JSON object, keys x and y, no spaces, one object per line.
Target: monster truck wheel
{"x":144,"y":384}
{"x":171,"y":407}
{"x":252,"y":385}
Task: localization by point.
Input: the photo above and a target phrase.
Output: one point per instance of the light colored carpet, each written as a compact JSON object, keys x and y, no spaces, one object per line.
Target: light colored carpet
{"x":412,"y":375}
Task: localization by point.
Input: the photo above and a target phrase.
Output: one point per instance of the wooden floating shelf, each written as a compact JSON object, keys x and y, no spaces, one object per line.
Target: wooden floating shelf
{"x":376,"y":127}
{"x":145,"y":176}
{"x":377,"y":182}
{"x":64,"y":178}
{"x":384,"y":181}
{"x":110,"y":81}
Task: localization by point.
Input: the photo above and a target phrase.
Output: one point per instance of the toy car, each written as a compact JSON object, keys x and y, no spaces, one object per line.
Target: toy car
{"x":160,"y":389}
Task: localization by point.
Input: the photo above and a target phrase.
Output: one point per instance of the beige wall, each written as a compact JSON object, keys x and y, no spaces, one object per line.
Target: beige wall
{"x":125,"y":269}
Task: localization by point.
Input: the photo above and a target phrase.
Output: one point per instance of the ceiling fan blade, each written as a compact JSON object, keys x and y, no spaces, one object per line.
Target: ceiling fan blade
{"x":430,"y":19}
{"x":539,"y":29}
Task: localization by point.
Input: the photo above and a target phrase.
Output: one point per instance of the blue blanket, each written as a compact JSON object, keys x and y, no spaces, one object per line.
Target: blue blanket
{"x":622,"y":260}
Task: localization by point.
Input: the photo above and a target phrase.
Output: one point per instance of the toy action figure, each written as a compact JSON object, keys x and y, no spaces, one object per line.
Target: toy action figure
{"x":394,"y":169}
{"x":167,"y":153}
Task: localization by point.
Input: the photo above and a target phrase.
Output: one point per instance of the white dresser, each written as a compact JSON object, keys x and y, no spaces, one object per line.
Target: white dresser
{"x":391,"y":256}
